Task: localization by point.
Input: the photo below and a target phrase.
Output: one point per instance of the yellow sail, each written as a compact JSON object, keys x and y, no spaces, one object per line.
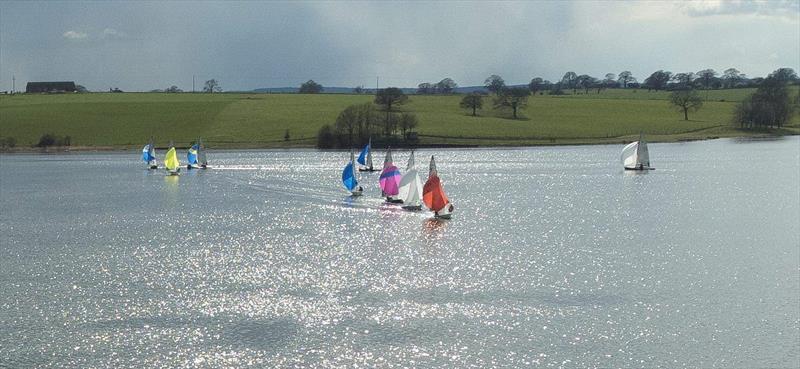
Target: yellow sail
{"x":171,"y":160}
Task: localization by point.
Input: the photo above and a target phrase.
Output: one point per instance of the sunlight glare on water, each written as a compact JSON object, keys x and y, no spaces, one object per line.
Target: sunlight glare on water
{"x":555,"y":257}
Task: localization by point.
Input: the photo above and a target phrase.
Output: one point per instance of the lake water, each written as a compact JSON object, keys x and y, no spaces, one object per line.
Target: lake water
{"x":555,"y":257}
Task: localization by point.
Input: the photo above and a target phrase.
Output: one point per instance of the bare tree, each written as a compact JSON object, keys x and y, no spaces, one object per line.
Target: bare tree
{"x":514,"y":98}
{"x":686,"y":100}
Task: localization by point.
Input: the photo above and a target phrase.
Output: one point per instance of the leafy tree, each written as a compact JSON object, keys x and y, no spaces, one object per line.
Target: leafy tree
{"x":784,"y":75}
{"x":769,"y":106}
{"x":424,"y":88}
{"x":387,"y":98}
{"x":658,"y":80}
{"x":446,"y":86}
{"x":625,"y":78}
{"x":212,"y":86}
{"x":684,"y":80}
{"x":570,"y":80}
{"x":347,"y":123}
{"x":494,"y":83}
{"x":514,"y":98}
{"x":686,"y":100}
{"x":408,"y":122}
{"x":310,"y":87}
{"x":732,"y":77}
{"x":535,"y":85}
{"x":472,"y":101}
{"x":81,"y":89}
{"x":706,"y":76}
{"x":358,"y":89}
{"x":556,"y":89}
{"x":586,"y":82}
{"x":173,"y":89}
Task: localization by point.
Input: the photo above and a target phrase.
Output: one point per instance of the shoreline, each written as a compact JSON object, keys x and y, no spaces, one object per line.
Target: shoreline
{"x":460,"y":142}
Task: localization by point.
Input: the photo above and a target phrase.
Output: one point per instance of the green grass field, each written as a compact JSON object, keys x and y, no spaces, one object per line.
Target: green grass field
{"x":260,"y":120}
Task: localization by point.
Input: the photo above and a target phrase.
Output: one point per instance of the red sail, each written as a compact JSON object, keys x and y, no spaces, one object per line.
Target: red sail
{"x":432,"y":194}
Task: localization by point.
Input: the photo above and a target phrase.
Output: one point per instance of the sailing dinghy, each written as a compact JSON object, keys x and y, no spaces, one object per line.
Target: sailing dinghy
{"x":349,"y":177}
{"x":171,"y":161}
{"x":191,"y":157}
{"x":149,"y":155}
{"x":390,"y":180}
{"x":635,"y":156}
{"x":410,"y":190}
{"x":433,"y":195}
{"x":365,"y":158}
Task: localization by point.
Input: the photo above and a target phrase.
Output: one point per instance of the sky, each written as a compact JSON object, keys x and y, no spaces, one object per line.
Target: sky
{"x":140,"y":46}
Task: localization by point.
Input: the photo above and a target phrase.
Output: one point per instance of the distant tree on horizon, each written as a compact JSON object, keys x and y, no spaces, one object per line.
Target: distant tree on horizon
{"x":686,"y":100}
{"x":446,"y":86}
{"x":535,"y":85}
{"x":625,"y":78}
{"x":706,"y":76}
{"x":658,"y":80}
{"x":770,"y":106}
{"x":732,"y":77}
{"x":570,"y":80}
{"x":358,"y":89}
{"x":494,"y":83}
{"x":212,"y":86}
{"x":784,"y":75}
{"x":586,"y":82}
{"x":310,"y":87}
{"x":514,"y":98}
{"x":407,"y":122}
{"x":472,"y":101}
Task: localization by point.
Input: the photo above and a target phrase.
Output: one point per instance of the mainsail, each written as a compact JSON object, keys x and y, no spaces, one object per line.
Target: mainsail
{"x":410,"y":185}
{"x":390,"y":177}
{"x":148,"y":154}
{"x":365,"y":157}
{"x":349,"y":174}
{"x":171,"y":160}
{"x":432,"y":193}
{"x":629,"y":154}
{"x":191,"y":156}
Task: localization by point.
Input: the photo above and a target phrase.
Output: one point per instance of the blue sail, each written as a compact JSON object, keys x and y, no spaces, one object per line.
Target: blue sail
{"x":349,"y":178}
{"x":191,"y":156}
{"x":363,"y":156}
{"x":147,"y":154}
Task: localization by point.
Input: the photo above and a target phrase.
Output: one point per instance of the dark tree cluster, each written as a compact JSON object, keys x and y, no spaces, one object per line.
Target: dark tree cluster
{"x":49,"y":139}
{"x":770,"y":106}
{"x":446,"y":86}
{"x":310,"y":87}
{"x":357,"y":123}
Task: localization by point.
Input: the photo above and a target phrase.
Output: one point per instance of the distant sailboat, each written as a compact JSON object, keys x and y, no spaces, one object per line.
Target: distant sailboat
{"x":365,"y":158}
{"x":349,"y":178}
{"x":390,"y":179}
{"x":191,"y":156}
{"x":635,"y":155}
{"x":410,"y":189}
{"x":433,"y":194}
{"x":201,"y":154}
{"x":171,"y":161}
{"x":149,"y":155}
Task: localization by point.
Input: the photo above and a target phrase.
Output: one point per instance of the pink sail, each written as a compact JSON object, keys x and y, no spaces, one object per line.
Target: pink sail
{"x":390,"y":180}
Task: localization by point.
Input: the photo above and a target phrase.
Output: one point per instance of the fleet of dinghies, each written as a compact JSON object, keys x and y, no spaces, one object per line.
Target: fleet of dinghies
{"x":405,"y":189}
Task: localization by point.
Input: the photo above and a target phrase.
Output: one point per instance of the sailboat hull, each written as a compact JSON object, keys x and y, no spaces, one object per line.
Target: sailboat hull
{"x":413,"y":207}
{"x":154,"y":167}
{"x":367,"y":170}
{"x":640,"y":168}
{"x":393,"y":201}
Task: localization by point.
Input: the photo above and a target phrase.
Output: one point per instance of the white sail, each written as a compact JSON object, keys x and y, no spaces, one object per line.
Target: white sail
{"x":629,"y":155}
{"x":410,"y":190}
{"x":642,"y":155}
{"x":201,"y":153}
{"x":369,"y":154}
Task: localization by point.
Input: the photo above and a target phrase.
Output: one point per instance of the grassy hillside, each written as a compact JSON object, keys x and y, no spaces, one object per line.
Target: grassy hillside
{"x":260,"y":120}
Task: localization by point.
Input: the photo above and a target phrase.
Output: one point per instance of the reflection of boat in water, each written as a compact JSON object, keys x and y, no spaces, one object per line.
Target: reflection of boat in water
{"x":171,"y":162}
{"x":433,"y":194}
{"x":390,"y":180}
{"x":349,"y":177}
{"x":149,"y":155}
{"x":365,"y":158}
{"x":410,"y":188}
{"x":635,"y":155}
